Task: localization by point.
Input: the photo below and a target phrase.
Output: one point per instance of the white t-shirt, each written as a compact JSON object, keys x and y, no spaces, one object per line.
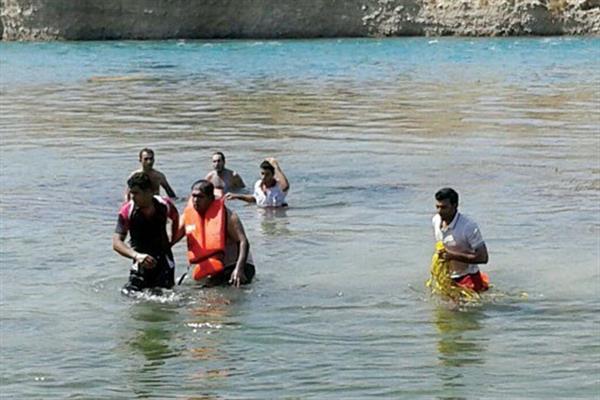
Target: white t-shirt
{"x":274,"y":197}
{"x":462,"y":235}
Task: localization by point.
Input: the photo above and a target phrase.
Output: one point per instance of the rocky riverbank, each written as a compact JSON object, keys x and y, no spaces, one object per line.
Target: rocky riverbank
{"x":206,"y":19}
{"x":485,"y":17}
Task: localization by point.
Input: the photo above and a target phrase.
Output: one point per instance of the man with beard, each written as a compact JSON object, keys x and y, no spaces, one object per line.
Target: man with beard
{"x":223,"y":179}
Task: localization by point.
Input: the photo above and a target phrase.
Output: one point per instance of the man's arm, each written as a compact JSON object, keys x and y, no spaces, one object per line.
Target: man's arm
{"x":237,"y":181}
{"x":279,"y":175}
{"x":167,"y":187}
{"x":174,"y":217}
{"x":478,"y":256}
{"x":180,"y":233}
{"x":235,"y":231}
{"x":121,"y":247}
{"x":248,"y":198}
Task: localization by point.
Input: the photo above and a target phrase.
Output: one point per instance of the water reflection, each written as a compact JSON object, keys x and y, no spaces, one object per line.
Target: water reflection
{"x":152,"y":339}
{"x":459,"y":346}
{"x":274,"y":221}
{"x":208,"y":349}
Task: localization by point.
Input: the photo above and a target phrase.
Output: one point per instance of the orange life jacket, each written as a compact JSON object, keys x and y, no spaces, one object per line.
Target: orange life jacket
{"x":206,"y":235}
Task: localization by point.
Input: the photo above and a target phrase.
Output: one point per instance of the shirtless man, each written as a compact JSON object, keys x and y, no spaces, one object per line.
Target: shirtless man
{"x":157,"y":178}
{"x":223,"y":179}
{"x":270,"y":190}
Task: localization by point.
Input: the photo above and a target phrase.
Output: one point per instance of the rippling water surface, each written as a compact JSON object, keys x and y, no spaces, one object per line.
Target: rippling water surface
{"x":367,"y":131}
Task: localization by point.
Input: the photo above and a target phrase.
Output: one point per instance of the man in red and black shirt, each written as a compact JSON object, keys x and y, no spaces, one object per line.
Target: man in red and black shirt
{"x":144,"y":218}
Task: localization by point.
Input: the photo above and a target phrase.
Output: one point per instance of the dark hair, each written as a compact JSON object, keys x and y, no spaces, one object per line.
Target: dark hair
{"x":146,"y":150}
{"x":141,"y":180}
{"x":267,"y":165}
{"x":447,"y":194}
{"x":218,"y":153}
{"x":205,"y":187}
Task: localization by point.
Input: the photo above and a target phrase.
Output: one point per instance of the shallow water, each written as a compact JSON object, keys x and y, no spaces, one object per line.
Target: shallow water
{"x":367,"y":131}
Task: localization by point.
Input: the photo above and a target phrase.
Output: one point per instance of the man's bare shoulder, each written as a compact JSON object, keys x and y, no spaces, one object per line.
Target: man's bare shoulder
{"x":135,"y":172}
{"x":231,"y":215}
{"x":156,"y":174}
{"x":227,"y":173}
{"x":210,"y":175}
{"x":235,"y":179}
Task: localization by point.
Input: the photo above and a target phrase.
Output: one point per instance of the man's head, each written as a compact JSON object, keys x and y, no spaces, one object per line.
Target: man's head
{"x":267,"y":173}
{"x":147,"y":158}
{"x":446,"y":203}
{"x":140,"y":189}
{"x":202,"y":195}
{"x":218,"y":161}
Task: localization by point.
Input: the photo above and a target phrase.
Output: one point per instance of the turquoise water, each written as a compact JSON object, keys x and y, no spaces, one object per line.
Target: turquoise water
{"x":367,"y":131}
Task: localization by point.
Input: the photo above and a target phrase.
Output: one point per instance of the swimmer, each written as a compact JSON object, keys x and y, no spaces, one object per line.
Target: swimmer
{"x":223,"y":179}
{"x":269,"y":191}
{"x":157,"y":178}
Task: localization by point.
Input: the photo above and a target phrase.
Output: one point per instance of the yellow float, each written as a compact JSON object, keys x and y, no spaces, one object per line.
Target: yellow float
{"x":442,"y":285}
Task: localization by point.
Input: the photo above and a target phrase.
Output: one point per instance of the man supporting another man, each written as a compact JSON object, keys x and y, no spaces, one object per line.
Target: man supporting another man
{"x":463,"y":244}
{"x":144,"y":218}
{"x":218,"y":249}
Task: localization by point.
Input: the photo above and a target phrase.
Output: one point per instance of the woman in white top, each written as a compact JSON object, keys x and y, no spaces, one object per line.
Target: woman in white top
{"x":270,"y":190}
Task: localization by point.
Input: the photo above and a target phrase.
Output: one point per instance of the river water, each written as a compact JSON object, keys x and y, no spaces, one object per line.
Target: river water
{"x":366,"y":131}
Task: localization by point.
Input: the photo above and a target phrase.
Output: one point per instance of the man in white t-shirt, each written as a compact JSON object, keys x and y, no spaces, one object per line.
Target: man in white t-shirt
{"x":463,"y":244}
{"x":270,"y":190}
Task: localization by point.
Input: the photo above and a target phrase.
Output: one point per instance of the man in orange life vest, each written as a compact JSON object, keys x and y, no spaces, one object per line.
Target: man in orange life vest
{"x":218,"y":249}
{"x":463,"y":244}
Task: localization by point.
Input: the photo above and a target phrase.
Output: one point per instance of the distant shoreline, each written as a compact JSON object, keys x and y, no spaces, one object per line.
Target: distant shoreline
{"x":33,"y":20}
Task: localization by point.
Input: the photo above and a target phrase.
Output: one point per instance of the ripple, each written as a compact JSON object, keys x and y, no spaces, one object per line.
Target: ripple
{"x":366,"y":130}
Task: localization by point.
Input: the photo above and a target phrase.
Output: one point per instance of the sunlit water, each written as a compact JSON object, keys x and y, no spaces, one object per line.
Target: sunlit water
{"x":367,"y":131}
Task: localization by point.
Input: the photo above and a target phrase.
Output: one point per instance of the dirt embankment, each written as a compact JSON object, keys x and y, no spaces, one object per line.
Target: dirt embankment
{"x":203,"y":19}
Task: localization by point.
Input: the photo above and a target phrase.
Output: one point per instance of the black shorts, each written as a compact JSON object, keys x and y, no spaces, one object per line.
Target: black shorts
{"x":223,"y":277}
{"x":161,"y":276}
